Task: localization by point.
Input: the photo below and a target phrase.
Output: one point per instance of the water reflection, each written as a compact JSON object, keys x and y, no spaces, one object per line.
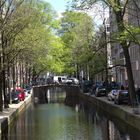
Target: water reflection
{"x":56,"y":121}
{"x":55,"y":94}
{"x":110,"y":128}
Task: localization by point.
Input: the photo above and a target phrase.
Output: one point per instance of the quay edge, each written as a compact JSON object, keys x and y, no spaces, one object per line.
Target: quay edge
{"x":122,"y":112}
{"x":9,"y":115}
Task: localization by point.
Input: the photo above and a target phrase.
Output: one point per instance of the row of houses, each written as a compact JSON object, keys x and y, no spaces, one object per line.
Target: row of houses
{"x":115,"y":51}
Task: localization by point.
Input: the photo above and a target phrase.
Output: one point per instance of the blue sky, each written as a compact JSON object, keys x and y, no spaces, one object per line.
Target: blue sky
{"x":58,"y":5}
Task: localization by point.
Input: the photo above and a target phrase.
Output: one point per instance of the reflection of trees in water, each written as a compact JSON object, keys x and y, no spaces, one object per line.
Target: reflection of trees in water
{"x":114,"y":133}
{"x":4,"y":133}
{"x":111,"y":128}
{"x":72,"y":101}
{"x":55,"y":94}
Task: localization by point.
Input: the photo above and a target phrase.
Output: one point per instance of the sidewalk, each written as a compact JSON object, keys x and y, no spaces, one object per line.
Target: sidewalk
{"x":9,"y":114}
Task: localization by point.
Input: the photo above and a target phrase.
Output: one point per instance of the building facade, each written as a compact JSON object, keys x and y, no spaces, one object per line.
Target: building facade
{"x":119,"y":74}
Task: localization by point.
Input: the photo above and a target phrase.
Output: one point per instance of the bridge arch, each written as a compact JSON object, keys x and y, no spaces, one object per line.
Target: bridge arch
{"x":40,"y":93}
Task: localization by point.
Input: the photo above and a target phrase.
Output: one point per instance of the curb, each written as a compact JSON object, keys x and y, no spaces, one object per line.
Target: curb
{"x":9,"y":115}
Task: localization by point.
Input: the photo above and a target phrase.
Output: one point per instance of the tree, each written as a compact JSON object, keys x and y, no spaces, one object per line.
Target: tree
{"x":77,"y":33}
{"x":28,"y":41}
{"x":119,"y":8}
{"x":10,"y":25}
{"x":41,"y":48}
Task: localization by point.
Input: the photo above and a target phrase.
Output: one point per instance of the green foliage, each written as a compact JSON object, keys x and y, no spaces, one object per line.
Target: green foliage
{"x":37,"y":44}
{"x":126,"y":34}
{"x":130,"y":34}
{"x":56,"y":52}
{"x":77,"y":32}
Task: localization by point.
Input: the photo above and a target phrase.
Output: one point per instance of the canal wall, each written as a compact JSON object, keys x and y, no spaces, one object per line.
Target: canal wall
{"x":72,"y":95}
{"x":9,"y":115}
{"x":122,"y":112}
{"x":40,"y":93}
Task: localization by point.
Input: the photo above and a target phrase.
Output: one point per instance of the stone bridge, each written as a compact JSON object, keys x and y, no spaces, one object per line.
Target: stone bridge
{"x":40,"y":93}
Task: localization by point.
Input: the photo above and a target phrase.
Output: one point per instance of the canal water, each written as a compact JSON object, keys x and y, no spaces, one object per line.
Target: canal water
{"x":57,"y":121}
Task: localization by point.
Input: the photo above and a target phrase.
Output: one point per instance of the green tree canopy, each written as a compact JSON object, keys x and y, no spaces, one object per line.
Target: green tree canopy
{"x":77,"y":33}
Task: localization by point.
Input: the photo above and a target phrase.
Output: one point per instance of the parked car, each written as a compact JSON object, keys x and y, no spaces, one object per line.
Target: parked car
{"x":64,"y":80}
{"x":75,"y":81}
{"x":29,"y":86}
{"x":72,"y":81}
{"x":87,"y":86}
{"x":69,"y":81}
{"x":100,"y":91}
{"x":14,"y":97}
{"x":111,"y":95}
{"x":59,"y":79}
{"x":21,"y":94}
{"x":122,"y":97}
{"x":27,"y":92}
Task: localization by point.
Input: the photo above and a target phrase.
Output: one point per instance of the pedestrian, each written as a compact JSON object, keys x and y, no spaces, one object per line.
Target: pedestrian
{"x":122,"y":87}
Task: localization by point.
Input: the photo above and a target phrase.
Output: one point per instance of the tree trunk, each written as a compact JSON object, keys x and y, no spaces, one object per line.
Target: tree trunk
{"x":132,"y":92}
{"x":13,"y":76}
{"x":1,"y":99}
{"x":9,"y":82}
{"x":34,"y":76}
{"x":4,"y":90}
{"x":29,"y":78}
{"x":121,"y":28}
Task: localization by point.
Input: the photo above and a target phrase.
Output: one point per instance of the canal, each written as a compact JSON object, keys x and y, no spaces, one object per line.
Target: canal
{"x":57,"y":121}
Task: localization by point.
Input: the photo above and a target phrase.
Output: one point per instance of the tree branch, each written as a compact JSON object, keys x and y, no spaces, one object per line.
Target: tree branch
{"x":124,"y":8}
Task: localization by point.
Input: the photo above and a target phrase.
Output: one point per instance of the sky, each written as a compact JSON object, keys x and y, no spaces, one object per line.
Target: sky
{"x":58,"y":5}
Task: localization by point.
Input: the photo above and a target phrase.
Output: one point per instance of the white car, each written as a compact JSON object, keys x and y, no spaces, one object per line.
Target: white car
{"x":27,"y":92}
{"x":112,"y":94}
{"x":64,"y":80}
{"x":72,"y":81}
